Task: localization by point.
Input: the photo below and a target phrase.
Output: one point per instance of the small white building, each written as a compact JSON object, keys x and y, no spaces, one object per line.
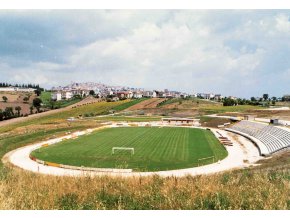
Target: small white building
{"x":194,"y":95}
{"x":124,"y":94}
{"x":137,"y":95}
{"x":66,"y":95}
{"x":56,"y":96}
{"x":16,"y":89}
{"x":206,"y":95}
{"x":61,"y":95}
{"x":233,"y":97}
{"x":7,"y":89}
{"x":218,"y":97}
{"x":149,"y":94}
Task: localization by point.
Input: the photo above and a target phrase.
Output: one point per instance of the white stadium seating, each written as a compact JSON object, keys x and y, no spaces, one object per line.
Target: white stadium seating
{"x":274,"y":138}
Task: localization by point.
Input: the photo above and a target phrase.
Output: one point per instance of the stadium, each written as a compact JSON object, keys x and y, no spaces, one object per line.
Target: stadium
{"x":242,"y":144}
{"x":145,"y":110}
{"x":173,"y":146}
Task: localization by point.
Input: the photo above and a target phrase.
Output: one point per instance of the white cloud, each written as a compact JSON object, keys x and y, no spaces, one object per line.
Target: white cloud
{"x":283,"y":23}
{"x":183,"y":50}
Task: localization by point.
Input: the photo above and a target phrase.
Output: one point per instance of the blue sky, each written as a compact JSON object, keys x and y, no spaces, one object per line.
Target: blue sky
{"x":233,"y":52}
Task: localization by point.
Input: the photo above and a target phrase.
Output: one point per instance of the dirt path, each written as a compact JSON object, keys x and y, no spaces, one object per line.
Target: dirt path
{"x":240,"y":155}
{"x":88,"y":100}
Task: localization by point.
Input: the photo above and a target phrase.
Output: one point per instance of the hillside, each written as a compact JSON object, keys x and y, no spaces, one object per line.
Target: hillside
{"x":17,"y":99}
{"x":263,"y":187}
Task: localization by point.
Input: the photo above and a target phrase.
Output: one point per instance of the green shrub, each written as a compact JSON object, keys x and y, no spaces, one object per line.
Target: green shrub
{"x":68,"y":202}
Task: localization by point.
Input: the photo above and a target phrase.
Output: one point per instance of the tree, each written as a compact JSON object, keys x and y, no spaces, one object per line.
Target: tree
{"x":37,"y":92}
{"x":4,"y":98}
{"x":52,"y":104}
{"x":253,"y":99}
{"x":283,"y":99}
{"x":8,"y":113}
{"x":18,"y":109}
{"x":1,"y":115}
{"x":92,"y":92}
{"x":37,"y":103}
{"x":25,"y":100}
{"x":229,"y":102}
{"x":265,"y":97}
{"x":31,"y":109}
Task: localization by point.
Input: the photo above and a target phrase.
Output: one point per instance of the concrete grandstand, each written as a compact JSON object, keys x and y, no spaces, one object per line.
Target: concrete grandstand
{"x":268,"y":138}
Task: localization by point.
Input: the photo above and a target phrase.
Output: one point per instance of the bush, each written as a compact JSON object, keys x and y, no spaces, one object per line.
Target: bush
{"x":217,"y":201}
{"x":68,"y":202}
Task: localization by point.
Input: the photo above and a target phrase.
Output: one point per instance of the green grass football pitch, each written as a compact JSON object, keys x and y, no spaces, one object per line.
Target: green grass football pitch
{"x":155,"y":149}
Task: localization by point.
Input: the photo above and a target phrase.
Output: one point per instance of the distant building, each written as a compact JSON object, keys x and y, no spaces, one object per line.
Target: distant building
{"x":233,"y":97}
{"x":66,"y":95}
{"x":218,"y":97}
{"x":286,"y":97}
{"x":81,"y":92}
{"x":206,"y":95}
{"x":124,"y":94}
{"x":61,"y":95}
{"x":149,"y":94}
{"x":115,"y":99}
{"x":160,"y":94}
{"x":183,"y":95}
{"x":16,"y":89}
{"x":56,"y":96}
{"x":194,"y":95}
{"x":137,"y":94}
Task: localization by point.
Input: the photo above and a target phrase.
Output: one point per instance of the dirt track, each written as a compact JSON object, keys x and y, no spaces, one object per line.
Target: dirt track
{"x":242,"y":154}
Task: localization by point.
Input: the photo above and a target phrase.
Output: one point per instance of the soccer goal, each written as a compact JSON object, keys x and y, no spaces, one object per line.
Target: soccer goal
{"x":202,"y":161}
{"x":114,"y":149}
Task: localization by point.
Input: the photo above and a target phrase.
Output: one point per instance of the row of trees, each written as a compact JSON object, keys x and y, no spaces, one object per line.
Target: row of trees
{"x":33,"y":86}
{"x":10,"y":112}
{"x":265,"y":100}
{"x":25,"y":99}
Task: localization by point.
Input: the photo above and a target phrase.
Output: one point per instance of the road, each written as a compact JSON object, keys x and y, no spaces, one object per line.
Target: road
{"x":87,"y":100}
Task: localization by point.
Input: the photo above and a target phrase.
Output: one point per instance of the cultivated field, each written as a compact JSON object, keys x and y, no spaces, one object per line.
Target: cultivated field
{"x":146,"y":104}
{"x":16,"y":99}
{"x":155,"y":149}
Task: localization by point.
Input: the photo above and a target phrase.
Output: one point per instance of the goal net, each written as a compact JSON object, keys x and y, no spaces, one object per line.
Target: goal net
{"x":207,"y":160}
{"x":131,"y":150}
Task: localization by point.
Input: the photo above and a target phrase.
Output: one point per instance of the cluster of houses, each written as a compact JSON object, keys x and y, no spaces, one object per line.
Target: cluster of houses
{"x":116,"y":93}
{"x":210,"y":96}
{"x":68,"y":94}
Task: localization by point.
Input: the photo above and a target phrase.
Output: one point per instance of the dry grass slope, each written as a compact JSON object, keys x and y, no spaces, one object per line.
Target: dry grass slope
{"x":240,"y":190}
